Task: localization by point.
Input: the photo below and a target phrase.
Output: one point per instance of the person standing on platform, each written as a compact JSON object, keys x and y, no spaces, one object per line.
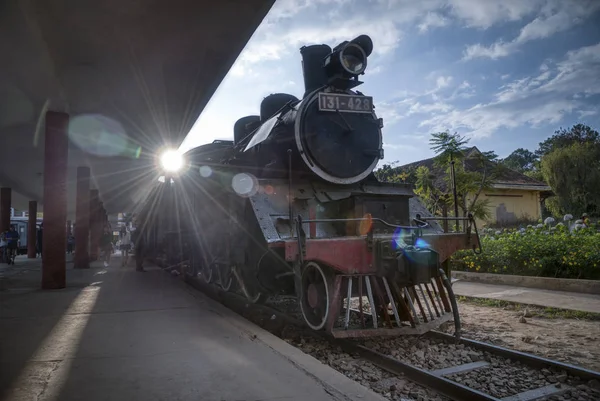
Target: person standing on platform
{"x":40,"y":238}
{"x":12,"y":239}
{"x":106,"y":245}
{"x":125,"y":246}
{"x":3,"y":248}
{"x":70,"y":243}
{"x":140,"y":248}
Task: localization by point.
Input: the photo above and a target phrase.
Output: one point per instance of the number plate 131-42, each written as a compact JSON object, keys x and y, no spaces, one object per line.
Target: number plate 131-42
{"x":345,"y":103}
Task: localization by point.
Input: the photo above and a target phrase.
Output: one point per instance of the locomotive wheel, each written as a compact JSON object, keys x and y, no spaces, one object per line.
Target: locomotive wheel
{"x":316,"y":285}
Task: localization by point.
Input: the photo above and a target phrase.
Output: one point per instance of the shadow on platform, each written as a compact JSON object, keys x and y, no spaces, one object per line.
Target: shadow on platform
{"x":118,"y":334}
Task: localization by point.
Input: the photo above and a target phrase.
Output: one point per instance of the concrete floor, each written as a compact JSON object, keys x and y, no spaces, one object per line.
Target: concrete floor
{"x":532,"y":296}
{"x":116,"y":334}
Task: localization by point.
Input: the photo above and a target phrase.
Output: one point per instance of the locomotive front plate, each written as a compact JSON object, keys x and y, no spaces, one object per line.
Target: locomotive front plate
{"x":345,"y":103}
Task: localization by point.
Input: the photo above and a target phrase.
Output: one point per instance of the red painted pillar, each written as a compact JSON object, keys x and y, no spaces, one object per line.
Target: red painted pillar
{"x":82,"y":219}
{"x":94,"y":240}
{"x":5,"y":201}
{"x":56,"y":158}
{"x":32,"y":230}
{"x":102,"y":219}
{"x":101,"y":223}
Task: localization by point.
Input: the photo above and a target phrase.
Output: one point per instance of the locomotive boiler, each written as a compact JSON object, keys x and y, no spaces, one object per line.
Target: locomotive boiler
{"x":291,"y":206}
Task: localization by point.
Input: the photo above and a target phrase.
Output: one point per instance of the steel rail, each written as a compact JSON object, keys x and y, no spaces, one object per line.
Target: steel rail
{"x":528,"y":359}
{"x":449,"y":388}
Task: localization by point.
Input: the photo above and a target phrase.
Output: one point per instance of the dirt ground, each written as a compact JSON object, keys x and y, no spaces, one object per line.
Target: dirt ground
{"x":571,"y":341}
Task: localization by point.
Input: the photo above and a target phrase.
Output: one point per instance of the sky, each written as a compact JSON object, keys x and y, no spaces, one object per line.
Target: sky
{"x":504,"y":73}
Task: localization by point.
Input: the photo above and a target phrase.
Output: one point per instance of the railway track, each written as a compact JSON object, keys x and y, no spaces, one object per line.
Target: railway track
{"x":486,"y":372}
{"x":447,"y":380}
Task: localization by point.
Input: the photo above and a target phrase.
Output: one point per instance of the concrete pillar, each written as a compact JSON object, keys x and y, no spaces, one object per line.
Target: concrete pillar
{"x":69,"y":227}
{"x":32,"y":230}
{"x":5,"y":201}
{"x":56,"y":157}
{"x":94,"y":239}
{"x":82,"y":219}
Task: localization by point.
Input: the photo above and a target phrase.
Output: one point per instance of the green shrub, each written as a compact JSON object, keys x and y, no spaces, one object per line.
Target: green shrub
{"x":536,"y":251}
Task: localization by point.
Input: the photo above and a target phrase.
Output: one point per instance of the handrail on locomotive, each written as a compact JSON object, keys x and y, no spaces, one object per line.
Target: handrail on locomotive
{"x":421,"y":223}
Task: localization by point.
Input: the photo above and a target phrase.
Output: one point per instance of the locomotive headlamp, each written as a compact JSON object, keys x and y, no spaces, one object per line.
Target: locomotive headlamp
{"x":353,"y":59}
{"x":347,"y":61}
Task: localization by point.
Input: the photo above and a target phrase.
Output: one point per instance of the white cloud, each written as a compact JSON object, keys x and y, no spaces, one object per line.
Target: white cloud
{"x":390,"y":112}
{"x":283,"y":9}
{"x":546,"y":98}
{"x":419,"y":108}
{"x":292,"y":23}
{"x":463,"y":91}
{"x":555,"y":16}
{"x":443,"y":82}
{"x":473,"y":13}
{"x":378,"y":69}
{"x":399,"y":146}
{"x":432,"y":20}
{"x":385,"y":34}
{"x":263,"y":52}
{"x":494,"y":52}
{"x":283,"y":41}
{"x":586,"y":113}
{"x":485,"y":13}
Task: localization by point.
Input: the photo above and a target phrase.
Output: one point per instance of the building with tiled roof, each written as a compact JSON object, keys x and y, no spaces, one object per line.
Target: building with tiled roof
{"x":513,"y":197}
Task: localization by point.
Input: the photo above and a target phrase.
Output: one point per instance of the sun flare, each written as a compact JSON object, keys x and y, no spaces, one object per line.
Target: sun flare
{"x":171,"y":160}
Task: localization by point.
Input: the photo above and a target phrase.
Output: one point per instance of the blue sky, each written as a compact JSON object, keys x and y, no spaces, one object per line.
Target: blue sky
{"x":505,"y":73}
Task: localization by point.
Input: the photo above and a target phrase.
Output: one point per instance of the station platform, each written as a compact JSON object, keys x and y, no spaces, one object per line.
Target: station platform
{"x":118,"y":334}
{"x":530,"y":296}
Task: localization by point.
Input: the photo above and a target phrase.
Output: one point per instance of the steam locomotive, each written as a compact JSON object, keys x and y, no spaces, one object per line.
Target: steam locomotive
{"x":292,"y":206}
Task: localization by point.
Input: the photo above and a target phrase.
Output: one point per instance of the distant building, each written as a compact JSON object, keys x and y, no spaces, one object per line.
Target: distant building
{"x":23,"y":214}
{"x":514,"y":196}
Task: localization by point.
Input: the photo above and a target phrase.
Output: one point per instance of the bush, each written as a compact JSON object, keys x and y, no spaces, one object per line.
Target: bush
{"x":536,"y":251}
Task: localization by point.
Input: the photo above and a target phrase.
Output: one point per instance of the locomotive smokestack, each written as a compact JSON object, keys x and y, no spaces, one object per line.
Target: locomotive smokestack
{"x":312,"y":66}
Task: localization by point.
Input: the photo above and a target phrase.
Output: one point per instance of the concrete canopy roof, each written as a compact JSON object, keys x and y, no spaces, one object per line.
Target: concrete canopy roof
{"x":131,"y":74}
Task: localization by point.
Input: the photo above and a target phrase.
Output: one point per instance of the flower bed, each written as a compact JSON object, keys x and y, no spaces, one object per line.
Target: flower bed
{"x":539,"y":250}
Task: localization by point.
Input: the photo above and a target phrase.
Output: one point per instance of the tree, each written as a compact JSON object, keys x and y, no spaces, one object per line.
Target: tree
{"x":388,"y":173}
{"x":473,"y":172}
{"x":448,"y":146}
{"x":521,"y":160}
{"x":436,"y":199}
{"x":563,"y":138}
{"x":573,"y":172}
